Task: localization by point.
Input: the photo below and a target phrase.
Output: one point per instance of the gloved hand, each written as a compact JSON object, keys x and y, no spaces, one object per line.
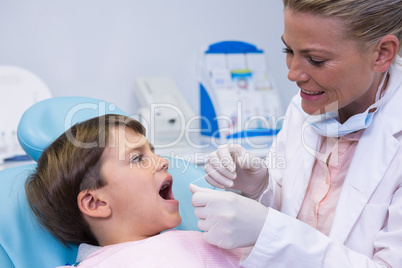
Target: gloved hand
{"x":228,"y":219}
{"x":232,"y":166}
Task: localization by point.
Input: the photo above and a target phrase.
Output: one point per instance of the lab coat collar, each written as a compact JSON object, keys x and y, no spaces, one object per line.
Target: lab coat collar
{"x":392,"y":108}
{"x":374,"y":153}
{"x":361,"y":180}
{"x":310,"y":139}
{"x":311,"y":142}
{"x":368,"y":167}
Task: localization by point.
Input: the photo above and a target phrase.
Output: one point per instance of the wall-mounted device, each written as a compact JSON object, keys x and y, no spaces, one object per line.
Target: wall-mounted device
{"x":19,"y":89}
{"x":164,"y":111}
{"x":238,"y":99}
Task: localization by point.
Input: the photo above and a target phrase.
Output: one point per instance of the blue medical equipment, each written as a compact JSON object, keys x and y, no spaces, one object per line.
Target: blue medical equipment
{"x":23,"y":242}
{"x":238,"y":100}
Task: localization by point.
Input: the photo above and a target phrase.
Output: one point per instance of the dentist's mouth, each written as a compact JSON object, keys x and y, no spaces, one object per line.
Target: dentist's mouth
{"x":311,"y":93}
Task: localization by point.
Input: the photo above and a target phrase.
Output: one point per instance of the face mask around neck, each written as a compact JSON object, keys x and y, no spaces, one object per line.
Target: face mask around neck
{"x":327,"y":124}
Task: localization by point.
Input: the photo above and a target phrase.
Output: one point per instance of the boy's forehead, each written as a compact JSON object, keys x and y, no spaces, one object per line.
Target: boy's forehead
{"x":124,"y":136}
{"x":122,"y":142}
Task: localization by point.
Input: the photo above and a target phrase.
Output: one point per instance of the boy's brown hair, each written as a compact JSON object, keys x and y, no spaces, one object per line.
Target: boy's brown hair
{"x":68,"y":166}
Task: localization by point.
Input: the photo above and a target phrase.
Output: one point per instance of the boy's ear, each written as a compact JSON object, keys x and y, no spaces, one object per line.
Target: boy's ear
{"x":92,"y":204}
{"x":385,"y":52}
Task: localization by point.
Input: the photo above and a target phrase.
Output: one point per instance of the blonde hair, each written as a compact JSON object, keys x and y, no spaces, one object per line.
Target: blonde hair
{"x":366,"y":20}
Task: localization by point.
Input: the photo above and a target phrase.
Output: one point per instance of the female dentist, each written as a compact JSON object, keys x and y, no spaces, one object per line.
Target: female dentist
{"x":337,"y":200}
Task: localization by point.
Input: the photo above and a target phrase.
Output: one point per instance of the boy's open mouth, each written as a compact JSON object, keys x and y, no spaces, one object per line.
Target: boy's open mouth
{"x":166,"y":190}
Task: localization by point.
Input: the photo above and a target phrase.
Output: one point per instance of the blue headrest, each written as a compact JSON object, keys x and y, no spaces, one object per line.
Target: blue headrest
{"x":46,"y":120}
{"x":23,"y":243}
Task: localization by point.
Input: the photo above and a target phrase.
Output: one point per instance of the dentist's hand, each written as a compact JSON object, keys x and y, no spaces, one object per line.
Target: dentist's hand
{"x":232,"y":166}
{"x":228,"y":219}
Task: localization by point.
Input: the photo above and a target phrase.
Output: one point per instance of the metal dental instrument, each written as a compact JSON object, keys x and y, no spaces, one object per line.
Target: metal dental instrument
{"x":203,"y":176}
{"x":199,"y":178}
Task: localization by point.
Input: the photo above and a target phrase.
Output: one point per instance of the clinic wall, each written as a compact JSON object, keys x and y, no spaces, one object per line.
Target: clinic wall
{"x":97,"y":48}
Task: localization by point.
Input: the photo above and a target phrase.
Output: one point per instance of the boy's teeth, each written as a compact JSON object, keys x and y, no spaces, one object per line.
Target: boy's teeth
{"x":166,"y":184}
{"x":164,"y":192}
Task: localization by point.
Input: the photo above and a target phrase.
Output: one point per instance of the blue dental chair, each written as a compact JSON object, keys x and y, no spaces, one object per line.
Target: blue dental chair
{"x":23,"y":242}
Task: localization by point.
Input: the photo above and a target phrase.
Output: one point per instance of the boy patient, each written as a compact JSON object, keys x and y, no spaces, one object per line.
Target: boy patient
{"x":100,"y":184}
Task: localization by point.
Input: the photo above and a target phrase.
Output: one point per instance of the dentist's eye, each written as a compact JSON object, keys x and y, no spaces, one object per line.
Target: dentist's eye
{"x":287,"y":51}
{"x":316,"y":63}
{"x":136,"y":158}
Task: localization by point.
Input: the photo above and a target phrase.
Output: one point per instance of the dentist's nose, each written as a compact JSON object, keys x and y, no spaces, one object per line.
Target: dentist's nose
{"x":296,"y":70}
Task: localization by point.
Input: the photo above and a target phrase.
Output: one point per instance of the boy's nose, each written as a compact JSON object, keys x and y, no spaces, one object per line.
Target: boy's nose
{"x":163,"y":163}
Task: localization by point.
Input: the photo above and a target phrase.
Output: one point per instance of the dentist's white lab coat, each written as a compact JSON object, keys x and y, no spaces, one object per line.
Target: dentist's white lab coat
{"x":367,"y":226}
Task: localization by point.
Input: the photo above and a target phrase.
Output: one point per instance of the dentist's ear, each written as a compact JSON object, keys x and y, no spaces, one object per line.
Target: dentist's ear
{"x":92,"y":204}
{"x":385,"y":52}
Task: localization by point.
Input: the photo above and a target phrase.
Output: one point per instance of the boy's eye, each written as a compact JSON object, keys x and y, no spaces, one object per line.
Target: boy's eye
{"x":136,"y":158}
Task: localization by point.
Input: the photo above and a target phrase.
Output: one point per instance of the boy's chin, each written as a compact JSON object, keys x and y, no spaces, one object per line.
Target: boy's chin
{"x":178,"y":221}
{"x":174,"y":223}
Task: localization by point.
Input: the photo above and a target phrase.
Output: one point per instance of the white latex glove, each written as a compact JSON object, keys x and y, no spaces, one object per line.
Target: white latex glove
{"x":228,"y":220}
{"x":232,"y":166}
